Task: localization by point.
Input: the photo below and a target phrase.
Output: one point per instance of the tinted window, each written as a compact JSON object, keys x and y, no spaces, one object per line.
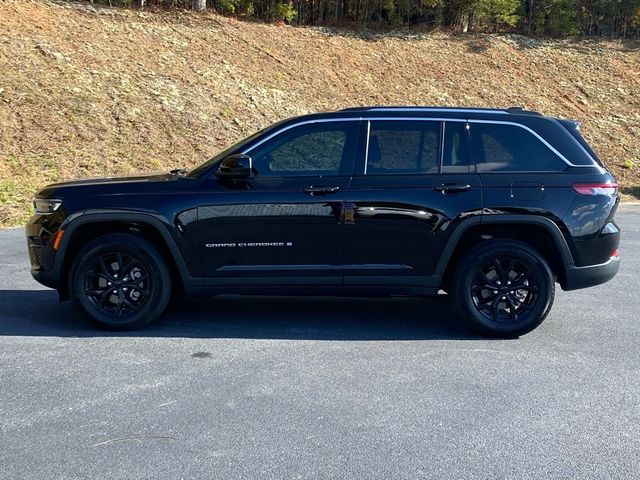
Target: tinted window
{"x":312,"y":149}
{"x":510,"y":148}
{"x":455,"y":158}
{"x":403,"y":147}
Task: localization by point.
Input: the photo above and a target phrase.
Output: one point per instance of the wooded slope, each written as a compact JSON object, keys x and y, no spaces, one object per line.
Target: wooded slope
{"x":87,"y":92}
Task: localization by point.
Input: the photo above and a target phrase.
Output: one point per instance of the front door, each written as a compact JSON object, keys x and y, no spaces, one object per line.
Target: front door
{"x":412,"y":185}
{"x":283,"y":225}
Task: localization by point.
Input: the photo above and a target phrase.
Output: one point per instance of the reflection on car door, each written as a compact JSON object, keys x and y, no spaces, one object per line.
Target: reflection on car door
{"x":412,"y":184}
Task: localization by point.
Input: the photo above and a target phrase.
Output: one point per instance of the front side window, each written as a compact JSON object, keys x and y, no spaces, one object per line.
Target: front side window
{"x":409,"y":147}
{"x":312,"y":149}
{"x":509,"y":148}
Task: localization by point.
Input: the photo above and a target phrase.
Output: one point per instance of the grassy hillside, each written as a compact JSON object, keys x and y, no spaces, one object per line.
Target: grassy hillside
{"x":87,"y":92}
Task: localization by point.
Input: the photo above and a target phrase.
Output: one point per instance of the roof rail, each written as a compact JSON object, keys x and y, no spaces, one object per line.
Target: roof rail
{"x":522,"y":110}
{"x":518,"y":110}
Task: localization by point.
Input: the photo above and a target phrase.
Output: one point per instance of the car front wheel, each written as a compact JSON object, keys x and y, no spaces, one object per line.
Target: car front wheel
{"x":120,"y":282}
{"x":503,"y":288}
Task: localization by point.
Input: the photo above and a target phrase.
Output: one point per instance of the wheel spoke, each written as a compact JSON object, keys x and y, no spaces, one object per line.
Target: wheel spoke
{"x":119,"y":304}
{"x":127,"y":267}
{"x":119,"y":262}
{"x":510,"y":268}
{"x":513,"y":314}
{"x":130,"y":305}
{"x":99,"y":275}
{"x":483,"y":277}
{"x":528,"y":288}
{"x":494,"y":305}
{"x":103,"y":266}
{"x":103,"y":298}
{"x":142,"y":278}
{"x":499,"y":269}
{"x":479,"y":288}
{"x":96,"y":292}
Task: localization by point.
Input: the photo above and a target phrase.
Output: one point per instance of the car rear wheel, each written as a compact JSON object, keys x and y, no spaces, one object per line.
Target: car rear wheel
{"x":503,"y":288}
{"x":120,"y":282}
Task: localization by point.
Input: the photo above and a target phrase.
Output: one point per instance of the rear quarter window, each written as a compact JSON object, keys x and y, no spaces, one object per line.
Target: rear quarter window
{"x":510,"y":148}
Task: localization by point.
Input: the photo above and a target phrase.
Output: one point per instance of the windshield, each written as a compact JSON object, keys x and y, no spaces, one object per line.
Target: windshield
{"x":200,"y":169}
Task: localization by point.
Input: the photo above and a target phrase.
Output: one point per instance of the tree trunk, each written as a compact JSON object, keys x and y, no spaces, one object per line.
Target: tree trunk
{"x":199,"y":5}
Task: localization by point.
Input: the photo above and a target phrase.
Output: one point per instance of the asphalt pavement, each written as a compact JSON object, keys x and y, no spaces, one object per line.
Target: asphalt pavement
{"x":288,"y":388}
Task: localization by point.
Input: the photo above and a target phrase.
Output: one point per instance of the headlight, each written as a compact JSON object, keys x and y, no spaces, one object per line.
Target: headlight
{"x":44,"y":206}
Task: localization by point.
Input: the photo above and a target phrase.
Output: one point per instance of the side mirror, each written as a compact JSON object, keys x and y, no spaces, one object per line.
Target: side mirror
{"x":235,"y":166}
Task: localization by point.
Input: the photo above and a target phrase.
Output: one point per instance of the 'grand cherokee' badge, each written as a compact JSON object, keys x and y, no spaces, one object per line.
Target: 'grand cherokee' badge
{"x":248,"y":244}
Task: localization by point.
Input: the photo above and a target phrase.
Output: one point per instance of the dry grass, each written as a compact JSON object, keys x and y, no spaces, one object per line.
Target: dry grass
{"x":87,"y":92}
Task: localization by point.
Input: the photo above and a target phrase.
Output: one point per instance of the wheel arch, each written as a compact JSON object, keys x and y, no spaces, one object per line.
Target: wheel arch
{"x":91,"y":225}
{"x":537,"y":231}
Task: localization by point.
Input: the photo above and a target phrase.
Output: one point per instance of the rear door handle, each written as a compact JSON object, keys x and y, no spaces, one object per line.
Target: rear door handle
{"x":320,"y":190}
{"x":451,"y":188}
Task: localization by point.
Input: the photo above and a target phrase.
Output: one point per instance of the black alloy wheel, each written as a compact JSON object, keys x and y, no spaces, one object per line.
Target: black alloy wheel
{"x":503,"y":288}
{"x":118,"y":284}
{"x":120,"y":281}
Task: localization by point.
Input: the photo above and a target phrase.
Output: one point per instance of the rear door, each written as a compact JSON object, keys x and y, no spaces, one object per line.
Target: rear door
{"x":412,"y":185}
{"x":283,"y":225}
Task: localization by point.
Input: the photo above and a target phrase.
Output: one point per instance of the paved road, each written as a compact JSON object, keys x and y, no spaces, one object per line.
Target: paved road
{"x":320,"y":388}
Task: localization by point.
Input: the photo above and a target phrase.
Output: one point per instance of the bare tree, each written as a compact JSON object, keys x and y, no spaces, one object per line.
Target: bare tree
{"x":199,"y":5}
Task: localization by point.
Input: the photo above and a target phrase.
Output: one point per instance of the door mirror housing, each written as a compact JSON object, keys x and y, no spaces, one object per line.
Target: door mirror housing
{"x":235,"y":166}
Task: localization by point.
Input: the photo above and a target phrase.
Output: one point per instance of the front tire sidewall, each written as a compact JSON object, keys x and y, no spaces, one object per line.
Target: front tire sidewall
{"x":159,"y":281}
{"x":541,"y":276}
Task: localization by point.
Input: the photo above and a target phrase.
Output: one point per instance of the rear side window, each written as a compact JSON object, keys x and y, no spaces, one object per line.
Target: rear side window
{"x":574,"y":129}
{"x":509,"y":148}
{"x":397,"y":147}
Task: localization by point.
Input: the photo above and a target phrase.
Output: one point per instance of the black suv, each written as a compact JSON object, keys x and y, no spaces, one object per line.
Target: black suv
{"x":492,"y":206}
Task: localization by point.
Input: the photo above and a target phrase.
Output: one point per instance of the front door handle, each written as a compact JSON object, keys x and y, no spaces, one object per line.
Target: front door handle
{"x":319,"y":190}
{"x":451,"y":188}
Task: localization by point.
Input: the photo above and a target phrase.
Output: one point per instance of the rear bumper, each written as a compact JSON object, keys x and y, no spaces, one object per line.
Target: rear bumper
{"x":583,"y":277}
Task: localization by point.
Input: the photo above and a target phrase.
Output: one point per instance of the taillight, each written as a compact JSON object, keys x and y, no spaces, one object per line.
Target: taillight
{"x":595,"y":188}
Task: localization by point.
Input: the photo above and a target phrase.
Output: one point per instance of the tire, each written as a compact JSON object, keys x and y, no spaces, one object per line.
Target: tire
{"x":484,"y":294}
{"x":120,"y":282}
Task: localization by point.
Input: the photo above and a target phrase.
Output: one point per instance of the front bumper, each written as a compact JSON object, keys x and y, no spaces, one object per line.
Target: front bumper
{"x":46,"y":278}
{"x":42,"y":256}
{"x":582,"y":277}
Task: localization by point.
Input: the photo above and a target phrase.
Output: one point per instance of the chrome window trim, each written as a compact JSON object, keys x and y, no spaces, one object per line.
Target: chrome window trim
{"x":366,"y":148}
{"x":297,"y":124}
{"x":443,"y":125}
{"x":432,"y":119}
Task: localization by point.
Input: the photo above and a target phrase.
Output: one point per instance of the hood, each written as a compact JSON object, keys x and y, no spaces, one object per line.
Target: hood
{"x":148,"y":177}
{"x":126,"y":182}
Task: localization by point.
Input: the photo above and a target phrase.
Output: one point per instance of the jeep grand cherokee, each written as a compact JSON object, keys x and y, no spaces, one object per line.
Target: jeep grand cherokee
{"x":491,"y":206}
